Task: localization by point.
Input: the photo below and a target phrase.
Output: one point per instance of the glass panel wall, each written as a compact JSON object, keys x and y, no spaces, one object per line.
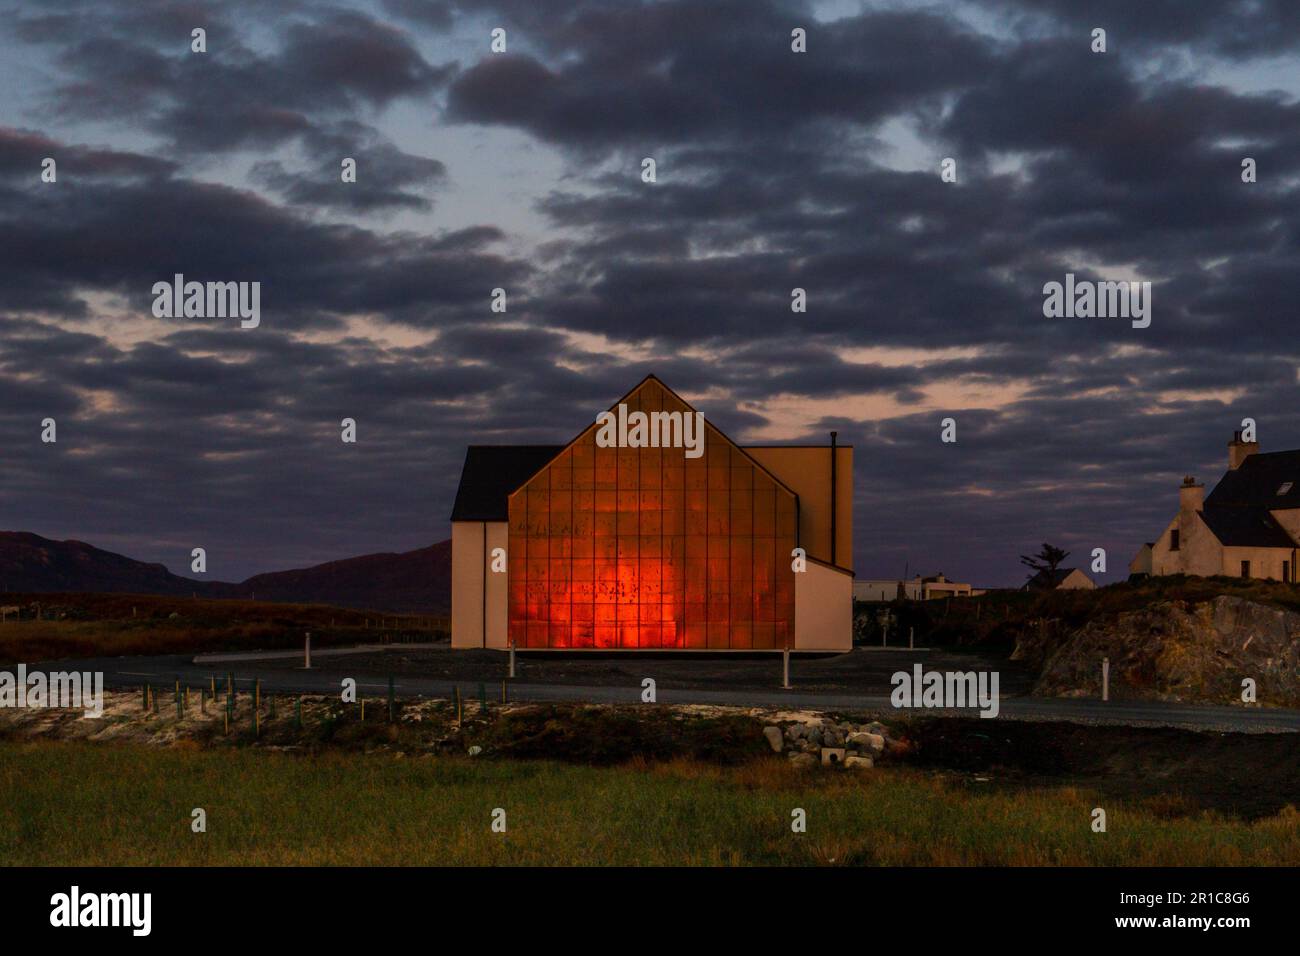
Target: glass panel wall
{"x":628,"y":548}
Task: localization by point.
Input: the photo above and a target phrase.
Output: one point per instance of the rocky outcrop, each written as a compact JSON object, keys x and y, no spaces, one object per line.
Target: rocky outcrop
{"x":835,"y":744}
{"x":774,"y":738}
{"x":1175,"y":651}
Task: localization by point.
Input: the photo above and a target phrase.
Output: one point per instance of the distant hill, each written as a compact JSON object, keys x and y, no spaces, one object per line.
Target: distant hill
{"x":406,"y":583}
{"x":411,"y":582}
{"x":29,"y":562}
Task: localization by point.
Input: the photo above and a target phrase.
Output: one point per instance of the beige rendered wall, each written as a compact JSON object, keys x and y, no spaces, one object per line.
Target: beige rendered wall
{"x":469,"y":573}
{"x":1199,"y":550}
{"x":823,"y":609}
{"x":1201,"y":553}
{"x":807,"y":472}
{"x":1264,"y":562}
{"x":945,"y":589}
{"x":875,"y":590}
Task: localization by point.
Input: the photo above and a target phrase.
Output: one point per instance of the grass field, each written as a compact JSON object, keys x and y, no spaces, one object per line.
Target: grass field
{"x":68,"y":803}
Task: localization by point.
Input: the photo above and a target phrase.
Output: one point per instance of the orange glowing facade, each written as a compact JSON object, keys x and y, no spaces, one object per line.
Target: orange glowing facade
{"x":645,"y":548}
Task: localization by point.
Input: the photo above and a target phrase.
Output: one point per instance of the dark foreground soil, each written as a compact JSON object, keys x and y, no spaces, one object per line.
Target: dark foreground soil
{"x":1244,"y":775}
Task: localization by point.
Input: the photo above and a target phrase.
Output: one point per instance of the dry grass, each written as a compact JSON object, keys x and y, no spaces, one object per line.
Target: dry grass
{"x":122,"y":624}
{"x":65,"y":803}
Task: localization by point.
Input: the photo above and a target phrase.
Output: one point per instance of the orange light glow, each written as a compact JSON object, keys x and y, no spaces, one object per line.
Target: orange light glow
{"x":645,"y":548}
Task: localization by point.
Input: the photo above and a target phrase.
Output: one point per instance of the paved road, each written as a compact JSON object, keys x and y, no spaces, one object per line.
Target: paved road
{"x":278,"y":677}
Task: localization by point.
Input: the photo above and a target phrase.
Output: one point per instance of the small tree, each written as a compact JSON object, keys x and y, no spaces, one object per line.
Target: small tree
{"x":1046,"y":561}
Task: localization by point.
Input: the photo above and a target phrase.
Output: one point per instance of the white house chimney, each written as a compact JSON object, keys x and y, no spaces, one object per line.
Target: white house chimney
{"x":1239,"y":451}
{"x":1191,"y":496}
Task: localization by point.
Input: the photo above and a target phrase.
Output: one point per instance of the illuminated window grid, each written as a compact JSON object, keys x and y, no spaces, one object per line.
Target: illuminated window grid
{"x":645,"y":548}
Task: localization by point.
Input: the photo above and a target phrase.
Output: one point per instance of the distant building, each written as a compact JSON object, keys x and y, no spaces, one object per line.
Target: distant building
{"x":1062,"y":579}
{"x":875,"y":592}
{"x":1248,"y":527}
{"x":917,"y":589}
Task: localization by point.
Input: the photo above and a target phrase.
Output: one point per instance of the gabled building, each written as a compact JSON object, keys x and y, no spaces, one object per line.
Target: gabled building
{"x":1061,"y":579}
{"x":1248,"y":526}
{"x":647,"y":548}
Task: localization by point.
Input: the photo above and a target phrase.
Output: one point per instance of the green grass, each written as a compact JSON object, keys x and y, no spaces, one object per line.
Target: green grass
{"x":64,"y":803}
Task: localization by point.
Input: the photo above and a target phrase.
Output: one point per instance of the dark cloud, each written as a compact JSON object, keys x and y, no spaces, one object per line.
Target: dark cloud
{"x":776,"y":171}
{"x":23,"y":151}
{"x":1239,"y":29}
{"x":123,"y":235}
{"x":427,"y":13}
{"x":234,"y":96}
{"x":387,"y":179}
{"x":651,"y":76}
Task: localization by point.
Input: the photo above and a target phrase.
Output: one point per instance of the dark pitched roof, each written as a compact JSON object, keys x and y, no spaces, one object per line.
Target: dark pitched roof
{"x":1257,"y":481}
{"x":1044,"y":580}
{"x":1246,"y":528}
{"x":491,"y":474}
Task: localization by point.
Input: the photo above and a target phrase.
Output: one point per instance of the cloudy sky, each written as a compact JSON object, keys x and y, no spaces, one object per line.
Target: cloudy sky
{"x":522,"y":170}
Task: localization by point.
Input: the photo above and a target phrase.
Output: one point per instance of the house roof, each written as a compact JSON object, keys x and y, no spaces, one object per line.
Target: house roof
{"x":1256,"y":483}
{"x":1246,"y":528}
{"x":1044,"y":580}
{"x":492,"y":473}
{"x":655,"y":380}
{"x":490,"y":476}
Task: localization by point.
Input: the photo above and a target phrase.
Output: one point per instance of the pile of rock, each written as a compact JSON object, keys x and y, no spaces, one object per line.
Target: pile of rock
{"x":830,"y":743}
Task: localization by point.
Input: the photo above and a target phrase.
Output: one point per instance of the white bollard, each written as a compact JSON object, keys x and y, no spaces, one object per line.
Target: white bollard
{"x":1105,"y":678}
{"x":307,"y":652}
{"x":512,"y":659}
